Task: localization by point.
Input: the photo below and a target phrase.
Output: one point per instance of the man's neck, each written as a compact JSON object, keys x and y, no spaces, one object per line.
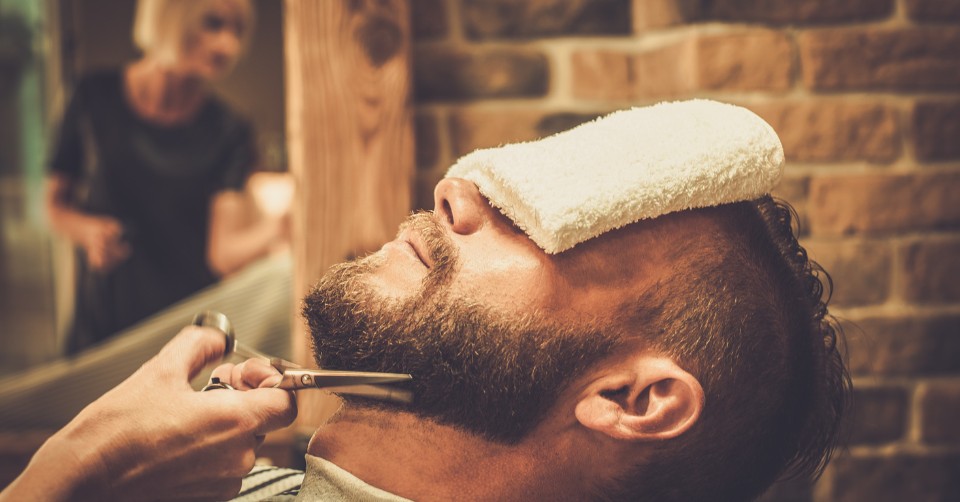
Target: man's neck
{"x":421,"y":460}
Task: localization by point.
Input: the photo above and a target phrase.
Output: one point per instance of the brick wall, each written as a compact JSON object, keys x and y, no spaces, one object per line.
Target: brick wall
{"x":866,"y":97}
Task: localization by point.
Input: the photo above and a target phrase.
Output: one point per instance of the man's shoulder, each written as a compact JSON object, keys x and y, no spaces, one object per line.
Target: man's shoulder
{"x":270,"y":483}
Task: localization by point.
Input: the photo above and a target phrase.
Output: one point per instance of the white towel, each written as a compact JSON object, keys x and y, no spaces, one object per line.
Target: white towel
{"x":627,"y":166}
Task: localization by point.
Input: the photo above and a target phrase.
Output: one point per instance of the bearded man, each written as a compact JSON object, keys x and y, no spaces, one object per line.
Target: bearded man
{"x":680,"y":358}
{"x":683,"y":355}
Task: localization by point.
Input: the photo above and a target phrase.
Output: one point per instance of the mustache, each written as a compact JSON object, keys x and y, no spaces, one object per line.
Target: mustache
{"x":443,"y":253}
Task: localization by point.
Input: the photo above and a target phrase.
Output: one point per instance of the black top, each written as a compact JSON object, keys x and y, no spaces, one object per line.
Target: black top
{"x":158,"y":181}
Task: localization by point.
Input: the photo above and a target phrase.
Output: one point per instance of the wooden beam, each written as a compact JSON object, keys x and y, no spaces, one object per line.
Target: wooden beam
{"x":350,"y":141}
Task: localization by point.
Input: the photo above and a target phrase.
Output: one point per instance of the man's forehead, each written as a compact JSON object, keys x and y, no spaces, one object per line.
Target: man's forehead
{"x":644,"y":239}
{"x":664,"y":231}
{"x":626,"y":167}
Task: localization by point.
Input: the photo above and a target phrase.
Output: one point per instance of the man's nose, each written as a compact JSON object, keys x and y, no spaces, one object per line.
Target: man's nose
{"x":459,"y":203}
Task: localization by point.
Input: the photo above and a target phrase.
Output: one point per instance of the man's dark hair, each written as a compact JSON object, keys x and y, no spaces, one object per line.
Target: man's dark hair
{"x":744,"y":311}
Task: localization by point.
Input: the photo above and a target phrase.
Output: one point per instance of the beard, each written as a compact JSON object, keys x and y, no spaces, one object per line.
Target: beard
{"x":494,"y":374}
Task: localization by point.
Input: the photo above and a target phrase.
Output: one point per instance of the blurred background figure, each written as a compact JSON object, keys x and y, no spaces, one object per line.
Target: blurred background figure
{"x":148,"y":169}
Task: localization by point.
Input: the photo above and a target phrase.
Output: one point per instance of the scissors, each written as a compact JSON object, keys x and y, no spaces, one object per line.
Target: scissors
{"x":295,"y":377}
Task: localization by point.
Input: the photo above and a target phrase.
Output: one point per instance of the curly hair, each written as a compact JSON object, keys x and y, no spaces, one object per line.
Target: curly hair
{"x":745,"y":311}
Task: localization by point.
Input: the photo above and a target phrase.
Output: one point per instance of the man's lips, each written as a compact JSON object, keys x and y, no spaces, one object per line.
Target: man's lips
{"x":408,"y":243}
{"x":412,"y":239}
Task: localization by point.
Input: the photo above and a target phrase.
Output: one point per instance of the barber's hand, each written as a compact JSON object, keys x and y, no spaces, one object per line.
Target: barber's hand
{"x":154,"y":437}
{"x":101,"y":238}
{"x":248,"y":375}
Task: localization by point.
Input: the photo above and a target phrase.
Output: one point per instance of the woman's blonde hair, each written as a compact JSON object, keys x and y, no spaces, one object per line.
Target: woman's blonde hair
{"x":162,"y":27}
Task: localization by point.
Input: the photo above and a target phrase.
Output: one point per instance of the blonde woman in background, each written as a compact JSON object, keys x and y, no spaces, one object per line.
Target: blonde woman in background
{"x":147,"y":171}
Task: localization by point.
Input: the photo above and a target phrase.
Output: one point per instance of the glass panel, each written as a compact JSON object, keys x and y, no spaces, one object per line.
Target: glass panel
{"x":27,"y":315}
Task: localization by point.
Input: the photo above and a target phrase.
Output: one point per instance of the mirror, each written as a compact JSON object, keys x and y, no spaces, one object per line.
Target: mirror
{"x":46,"y":50}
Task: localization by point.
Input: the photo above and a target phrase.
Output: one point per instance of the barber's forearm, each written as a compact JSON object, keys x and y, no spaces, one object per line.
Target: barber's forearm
{"x":66,"y":221}
{"x":57,"y":472}
{"x":230,"y":251}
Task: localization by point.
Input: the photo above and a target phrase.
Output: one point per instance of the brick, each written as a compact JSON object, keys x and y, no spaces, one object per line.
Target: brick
{"x":470,"y":129}
{"x":931,"y":271}
{"x":665,"y":72}
{"x":555,"y":122}
{"x":934,"y":10}
{"x":648,"y":14}
{"x":904,"y":346}
{"x":450,"y":74}
{"x":793,"y":190}
{"x":936,"y":130}
{"x":474,"y":129}
{"x":895,"y":478}
{"x":860,"y":270}
{"x":756,"y":60}
{"x":747,"y":61}
{"x":663,"y":13}
{"x":794,"y":12}
{"x":854,"y":203}
{"x":428,"y":143}
{"x":603,"y":75}
{"x":940,"y":412}
{"x":881,"y":59}
{"x":486,"y":19}
{"x":879,"y":415}
{"x":824,"y":131}
{"x":428,"y":19}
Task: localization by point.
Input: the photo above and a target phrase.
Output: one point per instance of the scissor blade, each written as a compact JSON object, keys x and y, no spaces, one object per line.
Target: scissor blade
{"x":219,"y":321}
{"x":246,"y":352}
{"x":381,"y":392}
{"x":300,"y":379}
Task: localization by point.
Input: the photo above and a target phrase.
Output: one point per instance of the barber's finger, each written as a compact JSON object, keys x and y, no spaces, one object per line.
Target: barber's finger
{"x":272,"y":408}
{"x":236,"y":378}
{"x":259,"y":373}
{"x":188,"y":352}
{"x":224,"y":372}
{"x":250,"y":374}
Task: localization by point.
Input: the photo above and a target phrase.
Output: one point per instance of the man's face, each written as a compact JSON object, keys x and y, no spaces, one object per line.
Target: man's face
{"x":491,"y":328}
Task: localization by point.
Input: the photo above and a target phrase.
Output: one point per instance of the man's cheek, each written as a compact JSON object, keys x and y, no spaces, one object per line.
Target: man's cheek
{"x":509,"y":290}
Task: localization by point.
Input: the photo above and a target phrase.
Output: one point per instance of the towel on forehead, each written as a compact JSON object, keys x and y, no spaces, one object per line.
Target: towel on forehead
{"x":627,"y":166}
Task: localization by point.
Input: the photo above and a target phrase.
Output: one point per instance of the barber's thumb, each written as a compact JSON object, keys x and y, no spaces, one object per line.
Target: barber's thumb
{"x":274,"y":408}
{"x":190,"y":351}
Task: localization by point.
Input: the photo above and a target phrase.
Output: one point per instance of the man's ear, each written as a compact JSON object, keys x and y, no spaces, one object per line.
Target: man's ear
{"x":647,"y":398}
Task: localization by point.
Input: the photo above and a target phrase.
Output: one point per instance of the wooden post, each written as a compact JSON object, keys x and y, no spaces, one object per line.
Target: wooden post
{"x":349,"y":139}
